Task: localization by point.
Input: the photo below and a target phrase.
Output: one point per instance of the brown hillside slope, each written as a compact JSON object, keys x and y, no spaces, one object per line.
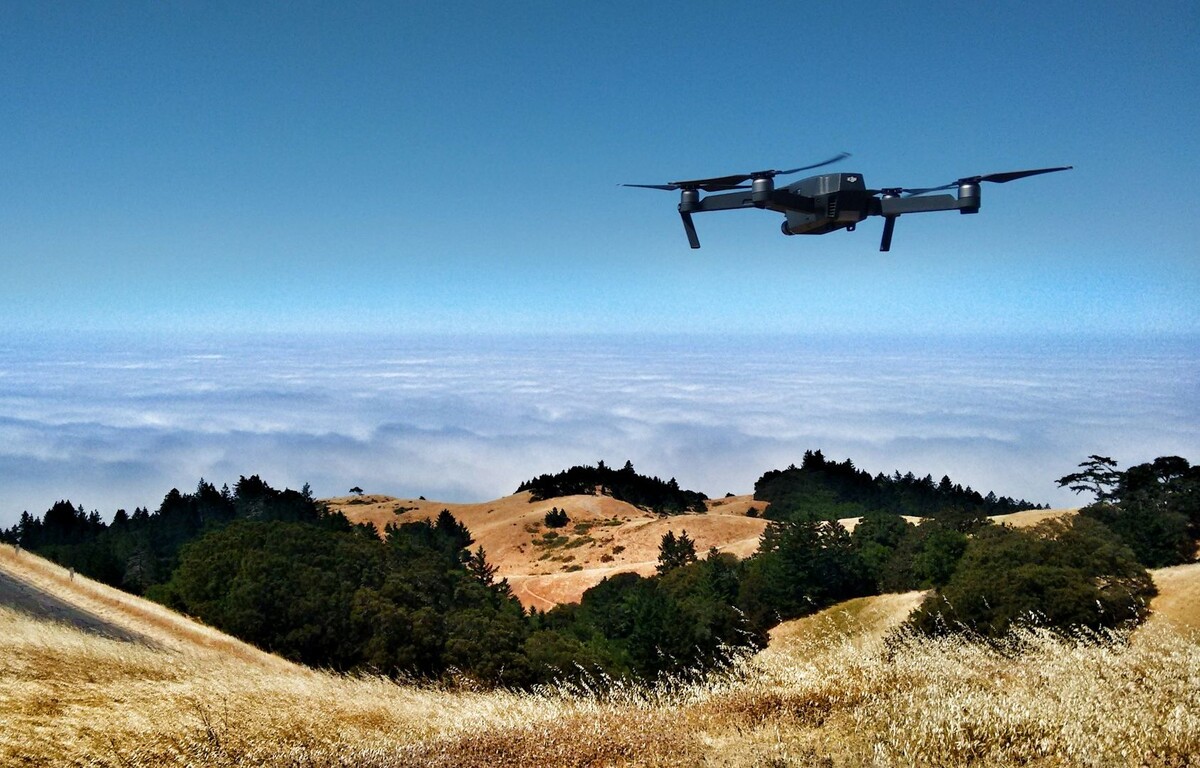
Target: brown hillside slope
{"x":868,"y":619}
{"x":604,"y":536}
{"x":1031,"y":517}
{"x":1178,"y":600}
{"x":861,"y":620}
{"x":815,"y":698}
{"x":48,"y":589}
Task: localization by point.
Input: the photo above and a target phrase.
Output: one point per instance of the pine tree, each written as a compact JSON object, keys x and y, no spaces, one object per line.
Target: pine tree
{"x":675,"y":552}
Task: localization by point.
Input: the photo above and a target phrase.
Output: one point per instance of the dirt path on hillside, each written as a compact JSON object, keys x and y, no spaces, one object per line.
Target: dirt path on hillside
{"x":523,"y":592}
{"x":24,"y":597}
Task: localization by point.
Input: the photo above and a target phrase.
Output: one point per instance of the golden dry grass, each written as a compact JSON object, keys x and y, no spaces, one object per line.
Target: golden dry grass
{"x":1178,"y":600}
{"x":1031,"y":517}
{"x":862,"y":620}
{"x":604,"y":536}
{"x":159,"y":625}
{"x":830,"y":691}
{"x":850,"y":523}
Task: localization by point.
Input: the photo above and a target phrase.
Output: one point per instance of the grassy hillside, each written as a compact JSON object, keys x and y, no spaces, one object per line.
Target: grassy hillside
{"x":827,"y":691}
{"x":604,"y":536}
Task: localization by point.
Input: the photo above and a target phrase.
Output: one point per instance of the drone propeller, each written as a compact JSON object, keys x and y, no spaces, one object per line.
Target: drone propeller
{"x":772,"y":174}
{"x":998,"y":178}
{"x":736,"y":181}
{"x":708,"y":186}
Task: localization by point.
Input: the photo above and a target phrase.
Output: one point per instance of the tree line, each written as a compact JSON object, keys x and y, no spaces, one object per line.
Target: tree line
{"x":625,"y":484}
{"x":278,"y":569}
{"x":832,"y":490}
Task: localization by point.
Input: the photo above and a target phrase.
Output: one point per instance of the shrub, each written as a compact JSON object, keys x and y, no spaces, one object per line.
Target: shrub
{"x":1060,"y":574}
{"x":556,"y":518}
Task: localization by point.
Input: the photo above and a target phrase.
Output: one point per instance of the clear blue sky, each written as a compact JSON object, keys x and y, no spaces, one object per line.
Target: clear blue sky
{"x":454,"y":166}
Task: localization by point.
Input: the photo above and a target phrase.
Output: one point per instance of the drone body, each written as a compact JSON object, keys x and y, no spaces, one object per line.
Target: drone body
{"x":829,"y":202}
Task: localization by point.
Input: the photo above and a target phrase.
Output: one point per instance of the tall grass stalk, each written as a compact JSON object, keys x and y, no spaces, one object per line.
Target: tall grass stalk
{"x":841,"y":697}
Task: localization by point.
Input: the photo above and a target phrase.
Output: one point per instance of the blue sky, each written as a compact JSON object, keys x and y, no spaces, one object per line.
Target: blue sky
{"x":454,"y":167}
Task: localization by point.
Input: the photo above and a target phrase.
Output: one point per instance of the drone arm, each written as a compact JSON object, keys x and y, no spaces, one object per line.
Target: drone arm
{"x":778,"y":200}
{"x":725,"y":202}
{"x":891,"y":207}
{"x":895,"y":206}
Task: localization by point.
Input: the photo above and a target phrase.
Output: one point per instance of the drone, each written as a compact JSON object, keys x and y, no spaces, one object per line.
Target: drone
{"x":829,"y":202}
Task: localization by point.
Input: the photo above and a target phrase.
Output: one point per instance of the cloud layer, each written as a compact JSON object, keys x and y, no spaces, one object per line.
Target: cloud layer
{"x":117,"y":422}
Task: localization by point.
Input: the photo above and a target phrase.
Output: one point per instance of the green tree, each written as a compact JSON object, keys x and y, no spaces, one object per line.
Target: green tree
{"x":801,"y":566}
{"x":1154,"y":507}
{"x":675,"y":552}
{"x":1061,"y":574}
{"x":555,"y":654}
{"x":1098,"y":475}
{"x":556,"y":518}
{"x":876,"y":538}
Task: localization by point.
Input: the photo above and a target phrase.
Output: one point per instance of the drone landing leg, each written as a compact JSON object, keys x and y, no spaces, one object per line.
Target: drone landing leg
{"x":889,"y":226}
{"x":690,"y":228}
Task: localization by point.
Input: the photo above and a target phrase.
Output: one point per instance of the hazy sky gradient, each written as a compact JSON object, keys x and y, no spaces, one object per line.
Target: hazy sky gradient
{"x":454,"y":166}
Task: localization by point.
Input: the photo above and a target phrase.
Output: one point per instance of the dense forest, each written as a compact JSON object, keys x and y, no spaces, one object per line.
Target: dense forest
{"x":625,"y":484}
{"x":278,"y":569}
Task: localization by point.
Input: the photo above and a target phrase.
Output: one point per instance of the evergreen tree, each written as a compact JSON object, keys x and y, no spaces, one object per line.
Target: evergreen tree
{"x":1154,"y":507}
{"x":675,"y":552}
{"x":1098,"y":476}
{"x":556,"y":518}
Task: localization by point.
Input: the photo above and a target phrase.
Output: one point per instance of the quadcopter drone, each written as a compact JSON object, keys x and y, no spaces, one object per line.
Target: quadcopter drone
{"x":825,"y":203}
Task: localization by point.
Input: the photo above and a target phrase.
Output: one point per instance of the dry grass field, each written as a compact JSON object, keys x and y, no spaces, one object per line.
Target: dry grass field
{"x":831,"y":690}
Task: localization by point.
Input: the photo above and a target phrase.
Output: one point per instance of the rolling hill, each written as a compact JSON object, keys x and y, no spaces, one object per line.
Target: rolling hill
{"x":603,"y":537}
